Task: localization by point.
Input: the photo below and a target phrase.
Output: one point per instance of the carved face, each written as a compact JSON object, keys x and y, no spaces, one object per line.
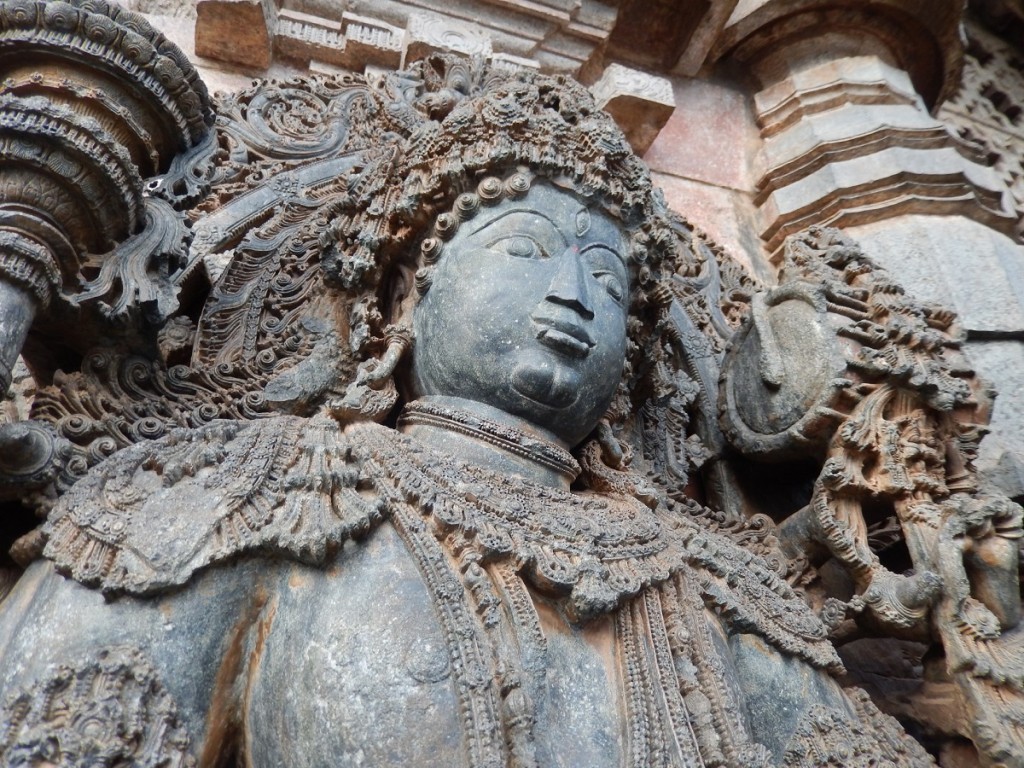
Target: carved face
{"x":527,"y":313}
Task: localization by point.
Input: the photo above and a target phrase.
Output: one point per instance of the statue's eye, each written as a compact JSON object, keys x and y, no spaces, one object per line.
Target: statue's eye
{"x":521,"y":247}
{"x":612,"y":284}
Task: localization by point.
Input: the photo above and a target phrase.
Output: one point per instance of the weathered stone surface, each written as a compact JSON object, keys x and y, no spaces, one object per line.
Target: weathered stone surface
{"x":429,"y":33}
{"x":724,"y":215}
{"x":220,"y":76}
{"x":236,"y":31}
{"x":556,"y":36}
{"x":837,"y":359}
{"x":925,"y":43}
{"x":369,"y":41}
{"x":304,"y":37}
{"x":956,"y":262}
{"x":665,"y":35}
{"x":1001,"y":363}
{"x":15,"y":406}
{"x":170,"y":8}
{"x":711,"y":137}
{"x":641,"y":104}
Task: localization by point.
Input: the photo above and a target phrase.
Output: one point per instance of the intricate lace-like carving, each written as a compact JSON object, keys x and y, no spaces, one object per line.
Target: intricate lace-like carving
{"x":713,"y":711}
{"x":598,"y":549}
{"x":301,"y":487}
{"x":106,"y":713}
{"x":827,"y":737}
{"x":285,"y":485}
{"x":512,"y":440}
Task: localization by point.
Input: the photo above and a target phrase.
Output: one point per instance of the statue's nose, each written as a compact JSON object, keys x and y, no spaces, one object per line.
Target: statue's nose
{"x":569,"y":285}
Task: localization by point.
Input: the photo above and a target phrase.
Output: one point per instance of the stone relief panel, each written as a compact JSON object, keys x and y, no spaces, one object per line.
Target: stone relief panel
{"x":553,"y":35}
{"x":575,"y":493}
{"x":986,"y":109}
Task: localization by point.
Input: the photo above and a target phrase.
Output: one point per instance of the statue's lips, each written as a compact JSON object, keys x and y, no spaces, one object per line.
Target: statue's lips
{"x":567,"y":338}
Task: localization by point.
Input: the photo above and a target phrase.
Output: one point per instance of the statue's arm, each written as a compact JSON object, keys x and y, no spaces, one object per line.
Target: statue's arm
{"x":90,"y":680}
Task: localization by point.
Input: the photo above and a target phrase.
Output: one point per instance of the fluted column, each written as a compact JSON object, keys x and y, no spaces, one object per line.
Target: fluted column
{"x":103,"y":102}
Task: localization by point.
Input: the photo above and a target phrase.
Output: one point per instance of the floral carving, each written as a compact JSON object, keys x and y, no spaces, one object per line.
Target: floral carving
{"x":104,"y":712}
{"x":897,"y":421}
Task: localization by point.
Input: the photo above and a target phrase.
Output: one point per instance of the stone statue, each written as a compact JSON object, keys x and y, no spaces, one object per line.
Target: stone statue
{"x":412,"y":484}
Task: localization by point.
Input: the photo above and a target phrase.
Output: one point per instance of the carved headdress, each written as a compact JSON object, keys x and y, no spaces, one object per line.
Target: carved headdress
{"x":473,"y":138}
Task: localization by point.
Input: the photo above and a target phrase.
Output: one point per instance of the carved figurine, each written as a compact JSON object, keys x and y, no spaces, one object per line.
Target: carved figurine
{"x":411,"y":485}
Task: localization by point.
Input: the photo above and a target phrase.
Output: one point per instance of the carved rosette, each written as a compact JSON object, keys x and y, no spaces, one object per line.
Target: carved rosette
{"x":111,"y":710}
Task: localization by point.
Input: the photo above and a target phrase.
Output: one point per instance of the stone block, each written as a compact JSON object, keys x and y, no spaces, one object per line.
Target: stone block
{"x":511,"y":63}
{"x":512,"y":43}
{"x":597,"y":14}
{"x":711,"y":136}
{"x":640,"y":103}
{"x":706,"y":30}
{"x":427,"y":34}
{"x":571,"y":47}
{"x":371,"y":42}
{"x":305,"y":37}
{"x":236,"y":31}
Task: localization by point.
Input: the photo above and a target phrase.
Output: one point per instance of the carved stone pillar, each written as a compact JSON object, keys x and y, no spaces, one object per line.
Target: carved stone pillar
{"x":103,"y":102}
{"x":849,"y":141}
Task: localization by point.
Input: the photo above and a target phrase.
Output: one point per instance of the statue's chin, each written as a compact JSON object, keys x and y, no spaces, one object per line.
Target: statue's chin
{"x":545,"y":384}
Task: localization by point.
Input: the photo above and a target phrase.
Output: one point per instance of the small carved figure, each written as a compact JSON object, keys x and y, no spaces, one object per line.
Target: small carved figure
{"x":490,"y":580}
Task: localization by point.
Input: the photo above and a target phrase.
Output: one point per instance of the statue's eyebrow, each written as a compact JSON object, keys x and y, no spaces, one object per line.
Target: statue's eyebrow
{"x":606,"y":247}
{"x":529,"y":211}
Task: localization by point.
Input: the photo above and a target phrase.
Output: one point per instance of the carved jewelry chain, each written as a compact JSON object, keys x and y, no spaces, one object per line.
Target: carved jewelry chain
{"x":507,"y":438}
